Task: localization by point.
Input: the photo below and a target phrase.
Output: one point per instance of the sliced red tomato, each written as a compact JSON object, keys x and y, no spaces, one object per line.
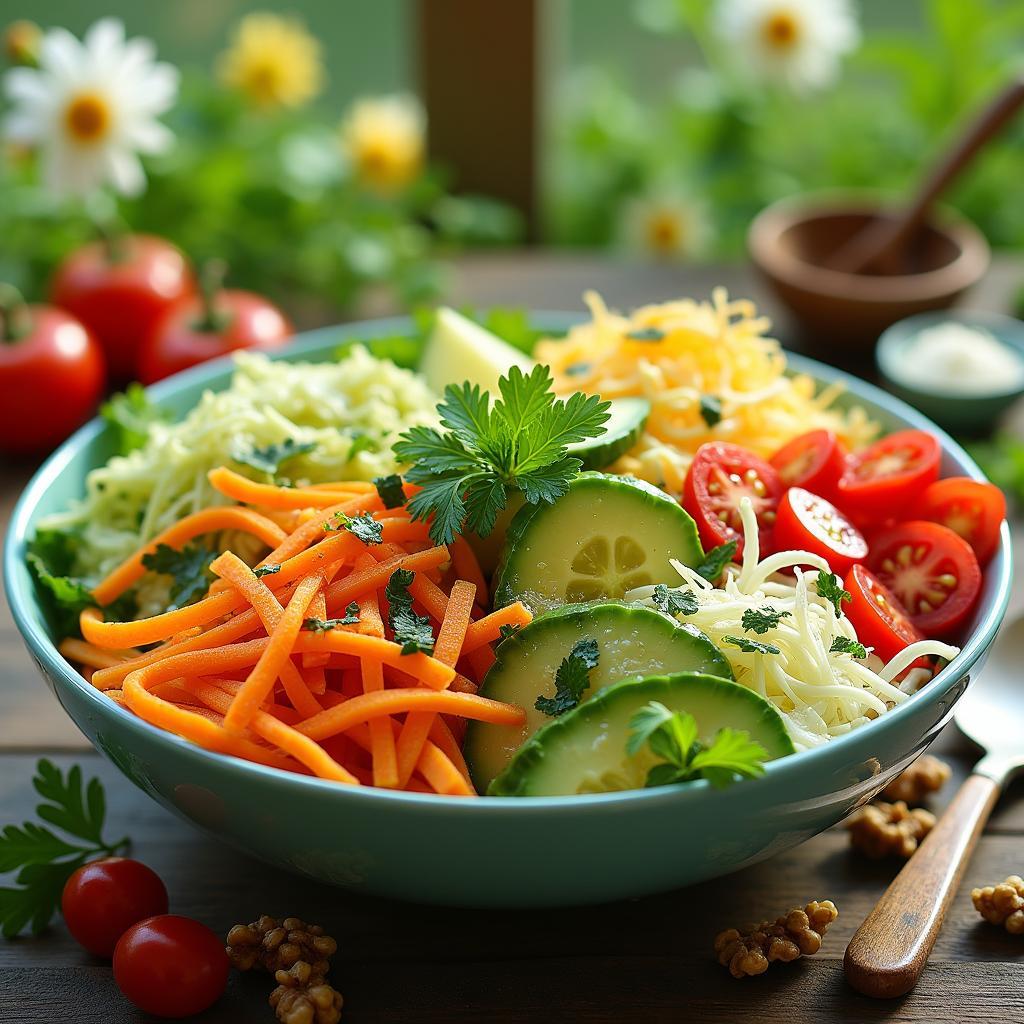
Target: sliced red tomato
{"x":877,"y":615}
{"x":932,"y":571}
{"x":814,"y":461}
{"x":809,"y":523}
{"x":883,"y":480}
{"x":719,"y":477}
{"x":971,"y":509}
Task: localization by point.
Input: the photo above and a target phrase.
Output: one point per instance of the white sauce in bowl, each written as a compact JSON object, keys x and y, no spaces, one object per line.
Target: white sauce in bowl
{"x":956,"y":359}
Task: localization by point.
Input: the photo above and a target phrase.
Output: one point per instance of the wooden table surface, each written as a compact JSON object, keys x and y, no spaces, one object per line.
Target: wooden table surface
{"x":644,"y":960}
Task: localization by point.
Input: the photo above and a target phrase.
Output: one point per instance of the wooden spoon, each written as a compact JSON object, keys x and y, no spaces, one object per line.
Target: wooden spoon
{"x":880,"y":247}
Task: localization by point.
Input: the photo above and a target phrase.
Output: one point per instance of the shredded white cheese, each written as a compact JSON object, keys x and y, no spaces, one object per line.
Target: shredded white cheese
{"x":954,"y":358}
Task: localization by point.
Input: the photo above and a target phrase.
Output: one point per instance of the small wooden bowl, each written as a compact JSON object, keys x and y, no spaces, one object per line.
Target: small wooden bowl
{"x":841,"y":315}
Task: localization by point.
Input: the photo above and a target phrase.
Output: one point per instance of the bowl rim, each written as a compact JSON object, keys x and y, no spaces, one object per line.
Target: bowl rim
{"x":314,"y":342}
{"x":768,"y":226}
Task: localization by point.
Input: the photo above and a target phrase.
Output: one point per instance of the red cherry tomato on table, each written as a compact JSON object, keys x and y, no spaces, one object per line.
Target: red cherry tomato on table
{"x":933,"y":573}
{"x":971,"y":509}
{"x":171,"y":966}
{"x":877,"y":616}
{"x":103,"y":899}
{"x":883,"y":480}
{"x":51,"y":375}
{"x":814,"y":461}
{"x":719,"y":477}
{"x":118,"y":289}
{"x":809,"y":523}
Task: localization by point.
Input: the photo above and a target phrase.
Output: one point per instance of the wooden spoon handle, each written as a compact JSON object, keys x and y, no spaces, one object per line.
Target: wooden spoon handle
{"x":889,"y":951}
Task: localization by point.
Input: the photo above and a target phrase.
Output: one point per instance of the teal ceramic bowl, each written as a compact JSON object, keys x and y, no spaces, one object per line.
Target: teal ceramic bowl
{"x":490,"y":852}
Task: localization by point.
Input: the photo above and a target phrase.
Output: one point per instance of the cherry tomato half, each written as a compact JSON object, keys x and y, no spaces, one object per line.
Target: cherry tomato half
{"x":171,"y":966}
{"x":103,"y":899}
{"x":883,"y":480}
{"x":971,"y":509}
{"x":809,"y":523}
{"x":933,"y":573}
{"x":118,"y":289}
{"x":879,"y":619}
{"x":719,"y":477}
{"x":51,"y":376}
{"x":814,"y":461}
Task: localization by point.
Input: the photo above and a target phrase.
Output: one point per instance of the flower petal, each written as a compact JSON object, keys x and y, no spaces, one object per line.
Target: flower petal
{"x":124,"y":171}
{"x":148,"y":136}
{"x":61,"y":54}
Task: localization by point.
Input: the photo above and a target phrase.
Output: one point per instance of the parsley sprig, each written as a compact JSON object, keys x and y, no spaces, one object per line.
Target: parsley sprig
{"x":412,"y":631}
{"x":45,"y":860}
{"x":749,"y":646}
{"x":844,"y":645}
{"x":675,"y":602}
{"x":269,"y":458}
{"x":571,"y":679}
{"x":761,"y":620}
{"x":189,"y":567}
{"x":363,"y":526}
{"x":711,"y":410}
{"x":673,"y":737}
{"x":716,"y":560}
{"x":389,"y":490}
{"x":484,"y":451}
{"x":831,"y":589}
{"x":350,"y":618}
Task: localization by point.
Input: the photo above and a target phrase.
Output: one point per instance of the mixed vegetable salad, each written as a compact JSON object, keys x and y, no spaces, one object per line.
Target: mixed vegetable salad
{"x":648,"y":557}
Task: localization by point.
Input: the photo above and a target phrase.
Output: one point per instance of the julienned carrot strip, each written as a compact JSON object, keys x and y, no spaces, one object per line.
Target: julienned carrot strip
{"x":488,"y":629}
{"x":234,"y":485}
{"x":340,"y":592}
{"x":207,"y":520}
{"x":260,"y":681}
{"x":460,"y":684}
{"x":399,"y":701}
{"x":439,"y":771}
{"x":355,"y":486}
{"x":429,"y":595}
{"x":318,"y":610}
{"x":370,"y":621}
{"x":83,"y":653}
{"x":442,"y":737}
{"x":480,"y":661}
{"x":316,"y":679}
{"x":467,"y":567}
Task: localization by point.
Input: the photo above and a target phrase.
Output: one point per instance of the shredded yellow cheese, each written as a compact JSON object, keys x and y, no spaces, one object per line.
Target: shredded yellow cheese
{"x":678,"y":353}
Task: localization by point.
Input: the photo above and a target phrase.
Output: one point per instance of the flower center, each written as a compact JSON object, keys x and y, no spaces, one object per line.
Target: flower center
{"x":781,"y":30}
{"x":88,"y":117}
{"x":265,"y":80}
{"x":664,"y":232}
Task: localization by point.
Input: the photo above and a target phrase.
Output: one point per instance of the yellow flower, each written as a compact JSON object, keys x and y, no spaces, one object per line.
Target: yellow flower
{"x":667,"y":225}
{"x":273,"y":60}
{"x":383,"y":139}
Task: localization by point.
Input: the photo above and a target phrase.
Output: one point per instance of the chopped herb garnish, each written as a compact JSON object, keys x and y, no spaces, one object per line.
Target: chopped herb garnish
{"x":361,"y":442}
{"x":672,"y":736}
{"x":269,"y":458}
{"x":507,"y":629}
{"x":831,"y":589}
{"x":266,"y":570}
{"x":363,"y":526}
{"x":711,"y":409}
{"x":389,"y":489}
{"x":751,"y":646}
{"x":675,"y":602}
{"x":760,"y":620}
{"x":132,"y":415}
{"x":484,"y":451}
{"x":716,"y":560}
{"x":412,"y":631}
{"x":350,"y":618}
{"x":189,"y":567}
{"x":571,"y":679}
{"x":844,"y":645}
{"x":645,"y":334}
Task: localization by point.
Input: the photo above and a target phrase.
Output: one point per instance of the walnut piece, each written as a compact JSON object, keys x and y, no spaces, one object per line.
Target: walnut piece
{"x":1002,"y":904}
{"x":303,"y":996}
{"x":796,"y":934}
{"x":926,"y":775}
{"x":884,"y":830}
{"x":272,"y":946}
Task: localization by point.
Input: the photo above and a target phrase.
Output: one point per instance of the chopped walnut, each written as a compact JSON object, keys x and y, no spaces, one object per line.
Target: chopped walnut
{"x":1002,"y":904}
{"x":796,"y":934}
{"x":303,"y":996}
{"x":272,"y":945}
{"x":884,"y":830}
{"x":926,"y":775}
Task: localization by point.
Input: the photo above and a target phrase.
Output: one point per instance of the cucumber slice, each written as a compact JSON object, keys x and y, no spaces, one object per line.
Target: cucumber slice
{"x":603,"y":537}
{"x":628,"y":416}
{"x":584,"y":750}
{"x":632,"y":641}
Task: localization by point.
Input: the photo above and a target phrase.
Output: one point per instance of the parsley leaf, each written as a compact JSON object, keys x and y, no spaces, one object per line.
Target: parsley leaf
{"x":760,"y":620}
{"x":716,"y":560}
{"x":844,"y":645}
{"x":507,"y":629}
{"x":363,"y":526}
{"x":751,"y":646}
{"x":519,"y":443}
{"x":645,"y":334}
{"x":266,"y":570}
{"x":412,"y":631}
{"x":132,"y":414}
{"x":675,"y":602}
{"x":389,"y":489}
{"x":571,"y":679}
{"x":45,"y":860}
{"x":269,"y":458}
{"x":189,"y":567}
{"x":672,"y":736}
{"x":711,"y":409}
{"x":829,"y":587}
{"x":350,"y":618}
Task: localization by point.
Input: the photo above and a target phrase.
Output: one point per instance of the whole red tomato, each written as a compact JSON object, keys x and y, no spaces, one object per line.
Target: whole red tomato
{"x":103,"y":899}
{"x":171,"y":966}
{"x":211,"y":324}
{"x":52,"y":375}
{"x":118,"y":289}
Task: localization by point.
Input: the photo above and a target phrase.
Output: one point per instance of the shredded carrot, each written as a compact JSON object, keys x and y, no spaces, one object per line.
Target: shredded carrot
{"x":488,"y":629}
{"x":93,"y":657}
{"x":480,"y":661}
{"x":234,"y":485}
{"x":467,"y":567}
{"x":341,"y":592}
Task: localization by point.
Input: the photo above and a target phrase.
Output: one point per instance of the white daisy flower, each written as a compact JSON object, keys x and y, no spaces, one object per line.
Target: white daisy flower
{"x":797,"y":42}
{"x":666,"y":224}
{"x":91,"y":107}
